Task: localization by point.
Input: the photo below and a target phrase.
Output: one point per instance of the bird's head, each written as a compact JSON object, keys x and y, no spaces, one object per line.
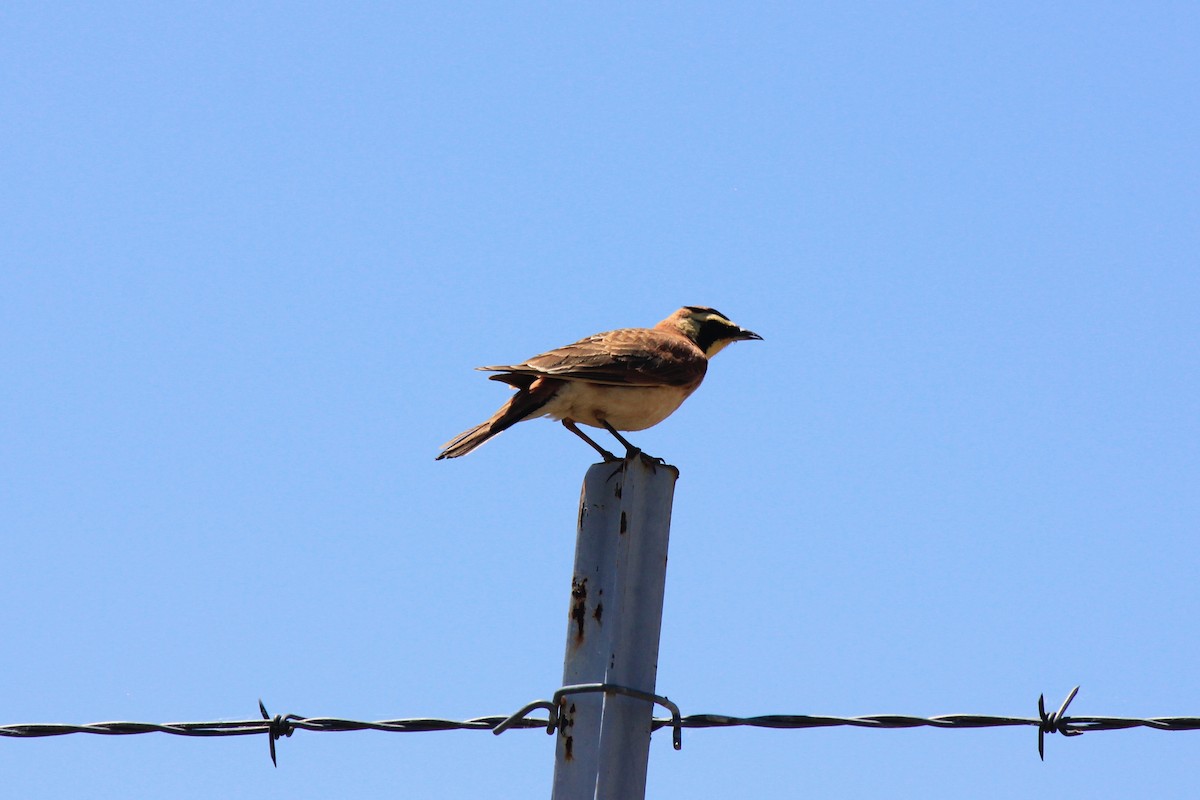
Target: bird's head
{"x":708,"y":328}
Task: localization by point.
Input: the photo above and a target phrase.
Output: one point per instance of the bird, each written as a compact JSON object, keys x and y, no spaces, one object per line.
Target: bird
{"x":627,"y":379}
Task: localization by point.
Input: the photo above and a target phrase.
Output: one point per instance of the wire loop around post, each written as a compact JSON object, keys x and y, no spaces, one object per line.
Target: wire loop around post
{"x":676,"y":717}
{"x":526,"y":710}
{"x":552,"y":707}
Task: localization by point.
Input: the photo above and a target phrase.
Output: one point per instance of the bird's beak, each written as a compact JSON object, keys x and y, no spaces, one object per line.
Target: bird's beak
{"x":745,"y":335}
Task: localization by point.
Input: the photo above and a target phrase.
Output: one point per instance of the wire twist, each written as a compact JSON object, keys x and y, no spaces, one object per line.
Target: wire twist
{"x":284,"y":725}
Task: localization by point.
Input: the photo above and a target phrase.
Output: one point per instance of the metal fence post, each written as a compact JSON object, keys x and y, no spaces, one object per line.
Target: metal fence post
{"x":613,"y":629}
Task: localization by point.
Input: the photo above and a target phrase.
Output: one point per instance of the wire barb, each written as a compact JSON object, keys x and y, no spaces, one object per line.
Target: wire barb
{"x":1057,"y":722}
{"x":277,"y":726}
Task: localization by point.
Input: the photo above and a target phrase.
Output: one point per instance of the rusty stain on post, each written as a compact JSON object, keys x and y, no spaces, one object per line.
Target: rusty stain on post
{"x":579,"y":606}
{"x":566,"y":720}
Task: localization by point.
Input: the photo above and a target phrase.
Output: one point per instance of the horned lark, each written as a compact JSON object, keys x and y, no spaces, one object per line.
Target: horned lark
{"x":622,"y":380}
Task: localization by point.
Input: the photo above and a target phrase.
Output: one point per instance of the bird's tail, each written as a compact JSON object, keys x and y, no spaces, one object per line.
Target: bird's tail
{"x":520,"y":406}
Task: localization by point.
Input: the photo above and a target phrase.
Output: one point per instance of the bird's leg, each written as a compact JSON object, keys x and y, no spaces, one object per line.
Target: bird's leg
{"x":573,"y":428}
{"x":630,"y":450}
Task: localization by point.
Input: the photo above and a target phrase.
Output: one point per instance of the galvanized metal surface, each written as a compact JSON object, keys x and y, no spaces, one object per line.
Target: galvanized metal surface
{"x":614,"y":620}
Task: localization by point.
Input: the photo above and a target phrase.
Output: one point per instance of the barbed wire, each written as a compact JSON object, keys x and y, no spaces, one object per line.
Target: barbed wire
{"x":284,"y":725}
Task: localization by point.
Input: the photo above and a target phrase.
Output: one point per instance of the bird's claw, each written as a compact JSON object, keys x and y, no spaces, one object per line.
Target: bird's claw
{"x":655,"y":461}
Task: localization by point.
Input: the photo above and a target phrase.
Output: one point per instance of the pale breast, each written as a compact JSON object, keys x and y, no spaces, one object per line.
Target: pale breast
{"x":626,"y":408}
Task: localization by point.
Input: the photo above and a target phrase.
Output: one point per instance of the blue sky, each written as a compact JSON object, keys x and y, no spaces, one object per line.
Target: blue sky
{"x":251,"y":254}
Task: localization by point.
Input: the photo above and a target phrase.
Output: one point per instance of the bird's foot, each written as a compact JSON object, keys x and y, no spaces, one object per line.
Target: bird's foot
{"x":654,"y":462}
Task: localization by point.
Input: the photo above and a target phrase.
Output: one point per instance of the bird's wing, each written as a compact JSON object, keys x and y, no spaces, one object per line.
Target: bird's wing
{"x":625,"y":357}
